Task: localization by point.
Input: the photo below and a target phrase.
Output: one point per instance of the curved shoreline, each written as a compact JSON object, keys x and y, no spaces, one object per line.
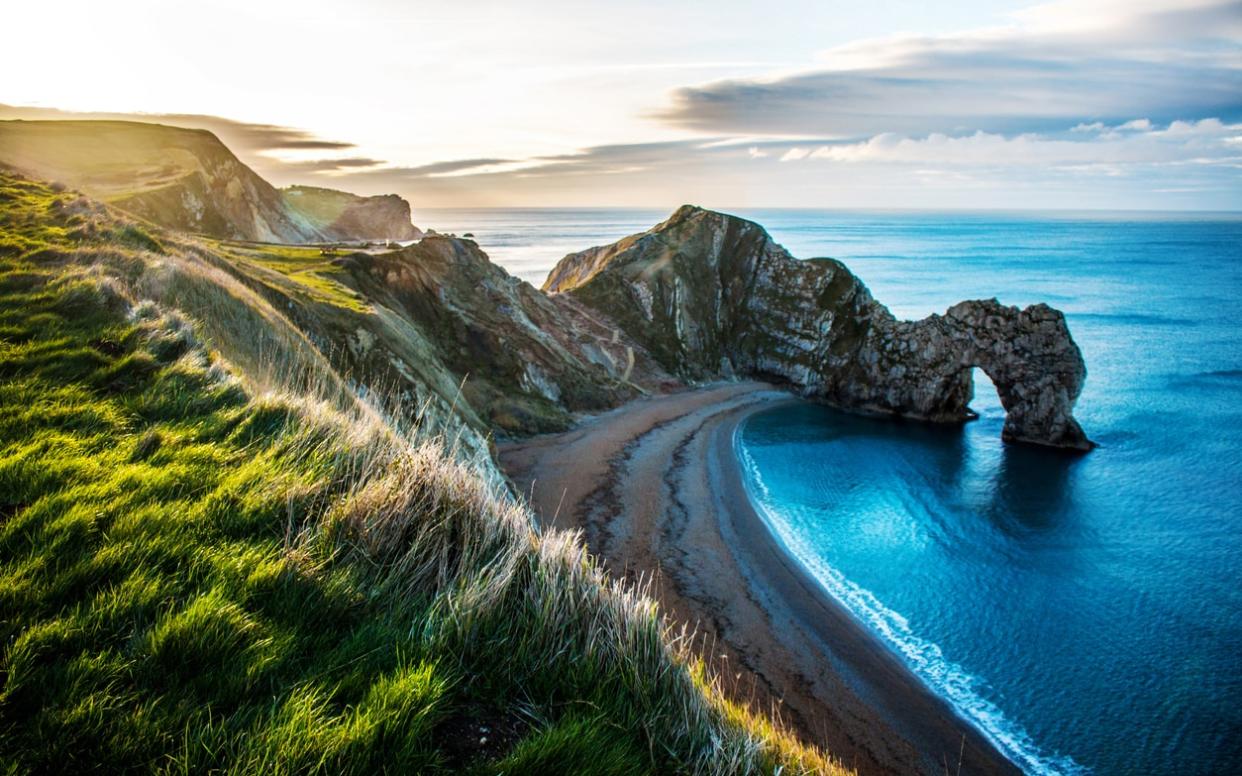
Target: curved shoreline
{"x":658,"y":491}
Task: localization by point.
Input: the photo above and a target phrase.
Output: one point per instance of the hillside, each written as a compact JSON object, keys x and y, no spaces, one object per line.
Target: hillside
{"x":187,"y":180}
{"x":230,"y":541}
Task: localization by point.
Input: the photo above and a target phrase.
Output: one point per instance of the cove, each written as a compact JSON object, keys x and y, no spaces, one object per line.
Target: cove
{"x":1010,"y":579}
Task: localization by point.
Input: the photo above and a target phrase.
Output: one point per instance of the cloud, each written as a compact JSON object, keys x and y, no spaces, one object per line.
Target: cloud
{"x":1135,"y":163}
{"x":240,"y":136}
{"x":1057,"y":66}
{"x":1133,"y":143}
{"x":318,"y":166}
{"x":595,"y":160}
{"x":435,"y":169}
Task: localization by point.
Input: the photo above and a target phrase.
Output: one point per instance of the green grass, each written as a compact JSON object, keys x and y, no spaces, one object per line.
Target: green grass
{"x":149,"y":591}
{"x":574,"y":744}
{"x":199,"y":573}
{"x":315,"y":274}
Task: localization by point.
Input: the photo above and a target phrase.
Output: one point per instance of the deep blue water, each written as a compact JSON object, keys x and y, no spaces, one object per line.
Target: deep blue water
{"x":1085,"y":612}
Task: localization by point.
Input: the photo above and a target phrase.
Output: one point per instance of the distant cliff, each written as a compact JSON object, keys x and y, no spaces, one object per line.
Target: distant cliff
{"x":713,"y":295}
{"x":339,"y":215}
{"x":187,"y":180}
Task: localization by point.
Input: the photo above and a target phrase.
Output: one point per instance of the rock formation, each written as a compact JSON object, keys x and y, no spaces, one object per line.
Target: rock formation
{"x":187,"y":180}
{"x":339,"y":215}
{"x":447,"y":318}
{"x":712,"y":295}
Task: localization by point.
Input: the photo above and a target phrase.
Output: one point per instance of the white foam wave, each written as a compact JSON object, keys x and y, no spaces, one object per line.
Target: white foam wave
{"x":924,"y":658}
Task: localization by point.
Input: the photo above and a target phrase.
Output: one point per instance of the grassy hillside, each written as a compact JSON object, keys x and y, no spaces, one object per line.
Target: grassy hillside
{"x":214,"y":556}
{"x":111,"y":159}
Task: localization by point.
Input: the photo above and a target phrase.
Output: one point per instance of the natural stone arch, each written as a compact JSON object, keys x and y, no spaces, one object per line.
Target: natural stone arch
{"x":923,"y":369}
{"x":709,"y":295}
{"x":1030,"y":357}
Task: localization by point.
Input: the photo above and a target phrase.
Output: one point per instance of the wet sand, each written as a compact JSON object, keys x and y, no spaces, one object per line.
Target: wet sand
{"x":656,"y":488}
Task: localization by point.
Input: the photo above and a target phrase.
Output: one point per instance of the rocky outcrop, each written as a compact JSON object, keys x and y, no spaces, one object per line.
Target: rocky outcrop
{"x":922,"y":369}
{"x":187,"y":180}
{"x":339,"y":215}
{"x":182,"y":179}
{"x":520,"y":361}
{"x":712,"y":295}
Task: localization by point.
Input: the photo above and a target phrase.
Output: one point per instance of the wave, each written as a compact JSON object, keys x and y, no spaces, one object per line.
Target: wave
{"x":924,"y":658}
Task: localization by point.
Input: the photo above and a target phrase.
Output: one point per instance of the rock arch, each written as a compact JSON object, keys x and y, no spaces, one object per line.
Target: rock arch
{"x":1035,"y":365}
{"x":923,"y":369}
{"x":710,"y":295}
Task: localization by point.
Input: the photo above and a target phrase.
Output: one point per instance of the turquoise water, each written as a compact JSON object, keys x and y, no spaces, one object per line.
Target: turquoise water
{"x":1084,"y":612}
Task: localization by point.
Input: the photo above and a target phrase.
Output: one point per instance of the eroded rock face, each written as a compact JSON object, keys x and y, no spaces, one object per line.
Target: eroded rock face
{"x":922,"y":369}
{"x":712,"y":295}
{"x":187,"y":180}
{"x":521,"y":361}
{"x":340,"y":215}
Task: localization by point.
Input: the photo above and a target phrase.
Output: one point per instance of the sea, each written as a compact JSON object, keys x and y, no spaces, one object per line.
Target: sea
{"x":1084,"y":612}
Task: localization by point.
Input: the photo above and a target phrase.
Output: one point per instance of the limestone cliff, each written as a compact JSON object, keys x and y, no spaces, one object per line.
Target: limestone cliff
{"x":713,"y":295}
{"x":339,"y":215}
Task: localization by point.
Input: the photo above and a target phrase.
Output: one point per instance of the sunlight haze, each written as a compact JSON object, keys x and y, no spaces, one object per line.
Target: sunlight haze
{"x":725,"y":104}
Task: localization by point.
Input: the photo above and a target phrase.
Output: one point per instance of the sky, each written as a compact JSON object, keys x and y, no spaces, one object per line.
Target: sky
{"x":1095,"y":104}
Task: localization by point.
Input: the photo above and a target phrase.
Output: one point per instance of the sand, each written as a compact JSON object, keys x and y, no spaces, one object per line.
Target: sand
{"x":656,"y":489}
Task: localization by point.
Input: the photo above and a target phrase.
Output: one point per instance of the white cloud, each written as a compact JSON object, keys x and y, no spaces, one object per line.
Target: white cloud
{"x":1058,"y":65}
{"x":1205,"y":141}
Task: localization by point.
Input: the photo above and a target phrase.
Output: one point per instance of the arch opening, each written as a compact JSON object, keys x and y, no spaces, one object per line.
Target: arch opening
{"x":985,"y":398}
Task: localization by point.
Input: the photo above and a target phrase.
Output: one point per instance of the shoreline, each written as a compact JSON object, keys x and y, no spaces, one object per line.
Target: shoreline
{"x":657,"y":489}
{"x":930,"y":724}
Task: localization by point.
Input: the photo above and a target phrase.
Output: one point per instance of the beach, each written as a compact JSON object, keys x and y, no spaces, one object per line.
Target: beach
{"x":656,"y":489}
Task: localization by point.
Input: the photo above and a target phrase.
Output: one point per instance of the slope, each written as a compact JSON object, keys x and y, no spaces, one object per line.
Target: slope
{"x":214,"y":555}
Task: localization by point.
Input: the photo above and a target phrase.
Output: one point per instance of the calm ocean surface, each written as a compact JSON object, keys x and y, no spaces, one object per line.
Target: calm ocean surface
{"x":1084,"y":612}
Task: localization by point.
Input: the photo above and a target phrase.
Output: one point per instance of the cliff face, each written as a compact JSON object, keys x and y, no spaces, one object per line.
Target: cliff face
{"x":712,"y":295}
{"x":187,"y":180}
{"x":339,"y":215}
{"x":520,"y":361}
{"x":183,"y":179}
{"x":449,"y":335}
